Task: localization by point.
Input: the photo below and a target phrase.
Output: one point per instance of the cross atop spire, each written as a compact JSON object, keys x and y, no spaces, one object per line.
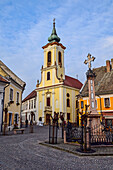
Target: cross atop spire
{"x":53,"y":37}
{"x":54,"y":20}
{"x":90,"y":59}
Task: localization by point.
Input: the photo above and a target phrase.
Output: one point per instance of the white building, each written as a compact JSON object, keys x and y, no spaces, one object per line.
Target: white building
{"x":29,"y":106}
{"x":3,"y":84}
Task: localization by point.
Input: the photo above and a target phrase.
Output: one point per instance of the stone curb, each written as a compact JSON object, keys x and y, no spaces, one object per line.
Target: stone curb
{"x":75,"y":152}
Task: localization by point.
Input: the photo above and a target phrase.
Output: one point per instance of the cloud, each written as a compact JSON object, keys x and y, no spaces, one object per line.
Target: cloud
{"x":82,"y":26}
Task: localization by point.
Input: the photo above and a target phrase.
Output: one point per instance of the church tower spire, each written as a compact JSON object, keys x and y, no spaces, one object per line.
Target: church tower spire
{"x":54,"y":56}
{"x":53,"y":37}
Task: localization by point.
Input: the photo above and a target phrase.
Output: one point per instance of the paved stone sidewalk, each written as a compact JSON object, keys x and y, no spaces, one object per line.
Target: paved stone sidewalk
{"x":73,"y":148}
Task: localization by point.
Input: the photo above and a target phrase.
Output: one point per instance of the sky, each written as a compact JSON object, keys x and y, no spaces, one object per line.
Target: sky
{"x":84,"y":26}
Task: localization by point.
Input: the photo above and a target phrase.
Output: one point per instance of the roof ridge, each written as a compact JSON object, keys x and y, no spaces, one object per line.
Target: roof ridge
{"x":28,"y":96}
{"x":72,"y":77}
{"x":8,"y":71}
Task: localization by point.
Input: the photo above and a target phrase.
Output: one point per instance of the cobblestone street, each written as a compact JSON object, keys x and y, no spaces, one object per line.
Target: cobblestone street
{"x":23,"y":151}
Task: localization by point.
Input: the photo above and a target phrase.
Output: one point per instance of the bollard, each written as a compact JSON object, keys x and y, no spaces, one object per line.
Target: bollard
{"x":65,"y":136}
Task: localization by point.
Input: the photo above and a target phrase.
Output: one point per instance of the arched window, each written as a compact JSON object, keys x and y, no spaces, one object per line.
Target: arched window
{"x":48,"y":75}
{"x":49,"y":59}
{"x":68,"y":95}
{"x":59,"y":57}
{"x":68,"y":102}
{"x":48,"y":101}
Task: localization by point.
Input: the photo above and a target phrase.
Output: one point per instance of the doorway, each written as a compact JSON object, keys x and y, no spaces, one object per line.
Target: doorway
{"x":48,"y":118}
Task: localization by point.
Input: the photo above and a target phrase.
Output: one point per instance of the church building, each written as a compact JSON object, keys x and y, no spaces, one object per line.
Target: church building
{"x":56,"y":92}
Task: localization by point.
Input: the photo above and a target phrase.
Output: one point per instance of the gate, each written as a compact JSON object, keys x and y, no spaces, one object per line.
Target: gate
{"x":74,"y":134}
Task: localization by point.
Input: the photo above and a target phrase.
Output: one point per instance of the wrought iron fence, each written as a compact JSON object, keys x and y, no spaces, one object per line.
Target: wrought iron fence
{"x":101,"y":135}
{"x":73,"y":134}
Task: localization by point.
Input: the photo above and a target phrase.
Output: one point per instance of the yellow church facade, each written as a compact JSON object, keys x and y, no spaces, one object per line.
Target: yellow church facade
{"x":56,"y":91}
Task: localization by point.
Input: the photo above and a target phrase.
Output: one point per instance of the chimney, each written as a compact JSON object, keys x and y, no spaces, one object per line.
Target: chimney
{"x":112,"y":63}
{"x":108,"y":65}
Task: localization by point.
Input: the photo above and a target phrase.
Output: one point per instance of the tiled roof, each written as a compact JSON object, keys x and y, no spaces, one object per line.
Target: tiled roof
{"x":103,"y":82}
{"x":3,"y":80}
{"x":72,"y":82}
{"x":30,"y":96}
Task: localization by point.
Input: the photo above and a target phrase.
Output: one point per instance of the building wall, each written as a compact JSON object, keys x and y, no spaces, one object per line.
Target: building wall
{"x":2,"y":85}
{"x":26,"y":110}
{"x":58,"y":102}
{"x":106,"y":111}
{"x":13,"y":108}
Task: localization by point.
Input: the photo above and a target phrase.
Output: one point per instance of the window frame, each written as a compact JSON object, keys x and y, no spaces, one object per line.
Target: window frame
{"x":68,"y":102}
{"x":82,"y":102}
{"x":59,"y":57}
{"x":48,"y":75}
{"x":48,"y":101}
{"x":17,"y":97}
{"x":11,"y":97}
{"x":106,"y":106}
{"x":48,"y":58}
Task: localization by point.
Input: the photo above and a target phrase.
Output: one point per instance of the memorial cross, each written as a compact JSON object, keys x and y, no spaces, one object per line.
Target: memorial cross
{"x":90,"y":59}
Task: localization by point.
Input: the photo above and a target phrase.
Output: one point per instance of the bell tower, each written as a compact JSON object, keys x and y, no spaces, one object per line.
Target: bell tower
{"x":54,"y":54}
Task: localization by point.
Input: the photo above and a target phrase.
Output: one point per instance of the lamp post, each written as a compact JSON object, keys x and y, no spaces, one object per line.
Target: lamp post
{"x":31,"y":123}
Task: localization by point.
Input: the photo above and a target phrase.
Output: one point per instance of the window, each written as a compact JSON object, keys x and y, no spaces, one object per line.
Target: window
{"x":16,"y":119}
{"x":11,"y":94}
{"x":34,"y":103}
{"x":68,"y":102}
{"x":48,"y":75}
{"x":48,"y":101}
{"x":68,"y":116}
{"x":29,"y":117}
{"x":82,"y":104}
{"x":59,"y":57}
{"x":10,"y":119}
{"x":109,"y":122}
{"x":49,"y":59}
{"x":31,"y":104}
{"x":107,"y":102}
{"x":68,"y":95}
{"x":17,"y":97}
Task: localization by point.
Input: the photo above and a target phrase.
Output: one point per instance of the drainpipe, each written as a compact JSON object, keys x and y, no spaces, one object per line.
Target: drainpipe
{"x":100,"y":105}
{"x":3,"y":105}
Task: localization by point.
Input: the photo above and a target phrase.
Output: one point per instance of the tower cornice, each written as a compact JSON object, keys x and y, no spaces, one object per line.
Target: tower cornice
{"x":54,"y":43}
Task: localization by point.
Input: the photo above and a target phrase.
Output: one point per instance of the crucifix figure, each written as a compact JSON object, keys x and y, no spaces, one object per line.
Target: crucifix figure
{"x":89,"y":60}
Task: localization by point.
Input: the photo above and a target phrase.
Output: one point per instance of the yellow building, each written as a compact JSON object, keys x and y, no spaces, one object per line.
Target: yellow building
{"x":13,"y":97}
{"x":103,"y":93}
{"x":56,"y":92}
